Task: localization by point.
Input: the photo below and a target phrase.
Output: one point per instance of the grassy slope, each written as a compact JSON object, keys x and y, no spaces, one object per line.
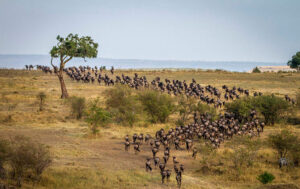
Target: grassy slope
{"x":81,"y":161}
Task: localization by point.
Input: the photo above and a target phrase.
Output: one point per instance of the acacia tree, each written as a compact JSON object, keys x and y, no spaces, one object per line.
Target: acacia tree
{"x":295,"y":62}
{"x":283,"y":142}
{"x":71,"y":47}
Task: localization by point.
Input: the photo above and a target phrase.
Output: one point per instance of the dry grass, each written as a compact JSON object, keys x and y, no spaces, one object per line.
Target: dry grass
{"x":83,"y":161}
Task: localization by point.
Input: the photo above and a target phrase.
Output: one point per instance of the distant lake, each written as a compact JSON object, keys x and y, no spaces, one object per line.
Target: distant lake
{"x":19,"y":62}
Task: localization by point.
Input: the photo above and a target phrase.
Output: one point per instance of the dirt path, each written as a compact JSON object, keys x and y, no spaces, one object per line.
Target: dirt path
{"x":70,"y":149}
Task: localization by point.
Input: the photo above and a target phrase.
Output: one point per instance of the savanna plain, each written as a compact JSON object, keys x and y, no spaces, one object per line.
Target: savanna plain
{"x":81,"y":159}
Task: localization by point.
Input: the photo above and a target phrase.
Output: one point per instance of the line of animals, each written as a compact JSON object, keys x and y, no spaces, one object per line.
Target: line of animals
{"x":215,"y":132}
{"x":207,"y":94}
{"x":29,"y":67}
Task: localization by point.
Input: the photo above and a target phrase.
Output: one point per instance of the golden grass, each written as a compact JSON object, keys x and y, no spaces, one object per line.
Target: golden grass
{"x":83,"y":161}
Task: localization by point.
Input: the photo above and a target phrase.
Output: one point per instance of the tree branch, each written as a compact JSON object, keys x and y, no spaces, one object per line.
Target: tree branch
{"x":68,"y":60}
{"x":65,"y":58}
{"x":51,"y":62}
{"x":53,"y":66}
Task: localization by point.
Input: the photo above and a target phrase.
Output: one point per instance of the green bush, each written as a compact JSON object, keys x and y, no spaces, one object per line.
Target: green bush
{"x":157,"y":105}
{"x":78,"y":105}
{"x":266,"y":178}
{"x":97,"y":116}
{"x":256,"y":70}
{"x":271,"y":107}
{"x":123,"y":105}
{"x":241,"y":107}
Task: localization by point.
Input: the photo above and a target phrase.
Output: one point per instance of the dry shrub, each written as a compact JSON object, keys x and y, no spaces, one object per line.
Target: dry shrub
{"x":78,"y":105}
{"x":208,"y":157}
{"x":233,"y":161}
{"x":41,"y":98}
{"x":185,"y":108}
{"x":28,"y":159}
{"x":241,"y":155}
{"x":244,"y":150}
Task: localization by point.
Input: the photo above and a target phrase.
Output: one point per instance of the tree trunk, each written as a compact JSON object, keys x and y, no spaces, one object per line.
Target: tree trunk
{"x":64,"y":92}
{"x":63,"y":61}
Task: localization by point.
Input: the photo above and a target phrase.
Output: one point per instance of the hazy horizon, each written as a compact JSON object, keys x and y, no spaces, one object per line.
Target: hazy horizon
{"x":147,"y":59}
{"x":19,"y":62}
{"x":216,"y":30}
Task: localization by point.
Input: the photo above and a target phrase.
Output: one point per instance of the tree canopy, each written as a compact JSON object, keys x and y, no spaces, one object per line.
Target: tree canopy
{"x":74,"y":46}
{"x":295,"y":62}
{"x":283,"y":142}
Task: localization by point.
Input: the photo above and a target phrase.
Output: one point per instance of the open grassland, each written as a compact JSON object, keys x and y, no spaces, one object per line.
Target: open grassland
{"x":84,"y":161}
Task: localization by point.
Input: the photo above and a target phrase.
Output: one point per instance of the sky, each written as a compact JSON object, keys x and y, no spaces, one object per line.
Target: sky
{"x":207,"y":30}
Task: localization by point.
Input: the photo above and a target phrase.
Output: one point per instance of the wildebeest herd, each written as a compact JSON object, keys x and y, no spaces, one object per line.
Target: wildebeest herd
{"x":207,"y":94}
{"x":203,"y":127}
{"x":183,"y":137}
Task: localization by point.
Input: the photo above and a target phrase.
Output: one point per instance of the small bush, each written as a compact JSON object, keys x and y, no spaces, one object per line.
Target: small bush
{"x":271,"y":107}
{"x":96,"y":116}
{"x":41,"y":98}
{"x":266,"y":178}
{"x":123,"y":105}
{"x":158,"y":106}
{"x":256,"y":70}
{"x":78,"y":105}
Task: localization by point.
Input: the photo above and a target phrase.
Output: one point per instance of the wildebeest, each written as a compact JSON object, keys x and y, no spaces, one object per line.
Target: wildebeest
{"x":148,"y":165}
